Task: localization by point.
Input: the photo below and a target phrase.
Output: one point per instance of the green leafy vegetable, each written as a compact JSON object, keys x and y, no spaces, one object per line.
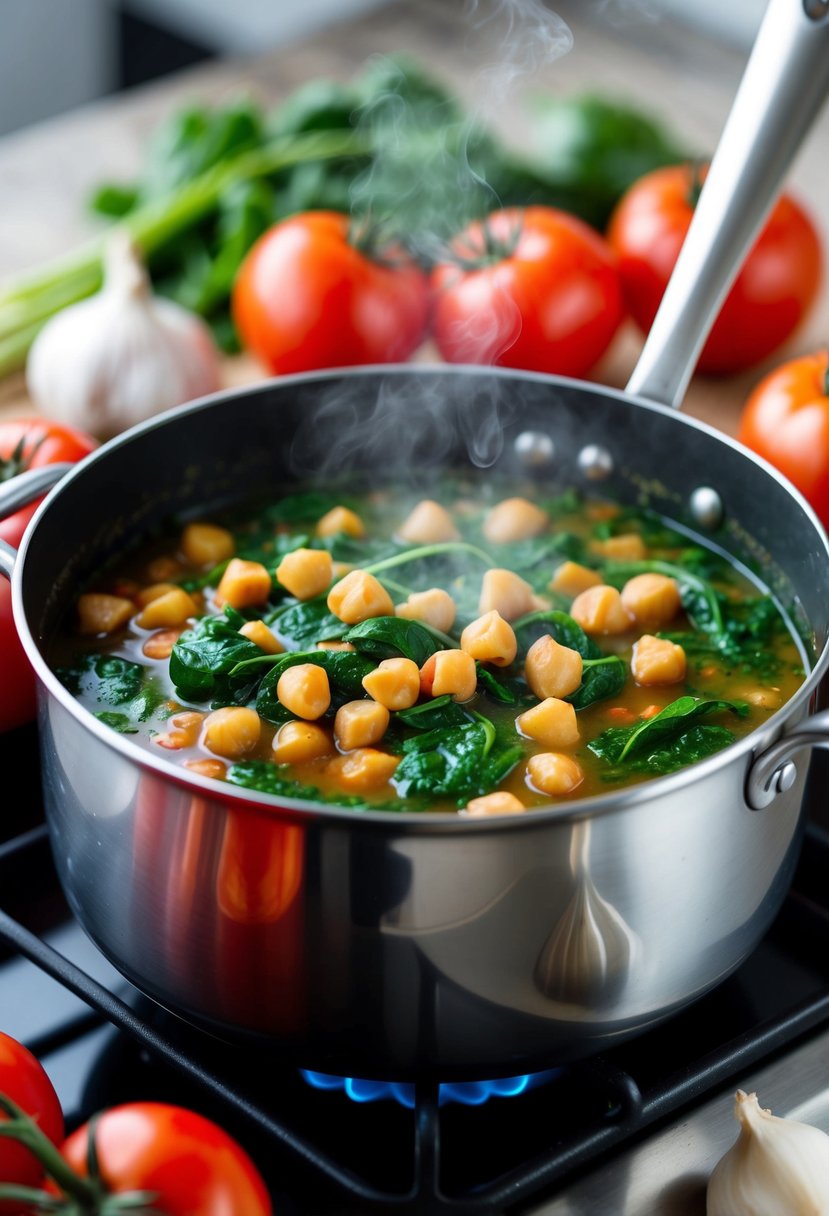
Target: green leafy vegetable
{"x":601,"y":678}
{"x":621,"y":743}
{"x":389,"y":637}
{"x":460,"y":763}
{"x":560,"y":626}
{"x":310,"y":621}
{"x":441,"y":713}
{"x":204,"y":658}
{"x":345,"y":670}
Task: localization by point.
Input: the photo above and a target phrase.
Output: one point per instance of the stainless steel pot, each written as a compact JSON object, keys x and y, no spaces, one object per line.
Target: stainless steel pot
{"x":397,"y":945}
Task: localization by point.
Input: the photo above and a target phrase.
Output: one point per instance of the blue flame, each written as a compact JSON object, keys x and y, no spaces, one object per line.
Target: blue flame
{"x":468,"y":1093}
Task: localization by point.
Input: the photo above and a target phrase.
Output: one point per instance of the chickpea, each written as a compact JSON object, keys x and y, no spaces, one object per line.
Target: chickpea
{"x":259,"y":633}
{"x":501,"y":802}
{"x":553,"y":773}
{"x":626,"y":547}
{"x":428,"y":523}
{"x":657,"y":661}
{"x":359,"y":724}
{"x":600,"y":610}
{"x":435,"y":606}
{"x":552,"y":670}
{"x":449,"y":671}
{"x":341,"y":519}
{"x":304,"y":690}
{"x":507,"y":593}
{"x":206,"y":544}
{"x":334,"y":645}
{"x":359,"y":596}
{"x":395,"y":683}
{"x":490,"y":639}
{"x":99,"y":613}
{"x":571,"y":579}
{"x":243,"y":584}
{"x":306,"y":573}
{"x":514,"y":519}
{"x":552,"y":723}
{"x":299,"y":742}
{"x":160,"y":645}
{"x":364,"y":769}
{"x":232,"y":731}
{"x":651,"y":599}
{"x":169,"y":611}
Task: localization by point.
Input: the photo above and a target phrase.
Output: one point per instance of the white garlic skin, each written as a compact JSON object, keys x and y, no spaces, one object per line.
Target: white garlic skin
{"x":122,"y":356}
{"x":776,"y":1167}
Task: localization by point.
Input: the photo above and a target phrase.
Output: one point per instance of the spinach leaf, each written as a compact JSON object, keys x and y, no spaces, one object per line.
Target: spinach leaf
{"x":388,"y":637}
{"x":345,"y":670}
{"x":203,"y":660}
{"x":493,"y":687}
{"x":461,"y":763}
{"x":269,"y":778}
{"x":442,"y":713}
{"x":621,"y":743}
{"x":694,"y":744}
{"x":309,"y":621}
{"x":601,"y":678}
{"x":560,"y":626}
{"x":122,"y":723}
{"x":106,"y":677}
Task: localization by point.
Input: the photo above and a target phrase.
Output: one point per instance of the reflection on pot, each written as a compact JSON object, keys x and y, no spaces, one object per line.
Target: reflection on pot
{"x":587,"y":959}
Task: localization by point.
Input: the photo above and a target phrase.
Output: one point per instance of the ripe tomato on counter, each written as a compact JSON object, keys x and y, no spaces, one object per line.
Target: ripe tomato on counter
{"x":771,"y":295}
{"x":24,"y":1080}
{"x":533,"y":288}
{"x":26,"y":443}
{"x":312,"y":294}
{"x":786,"y":421}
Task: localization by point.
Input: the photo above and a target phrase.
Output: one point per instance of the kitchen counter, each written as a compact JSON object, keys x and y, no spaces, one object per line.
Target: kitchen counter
{"x":49,"y":170}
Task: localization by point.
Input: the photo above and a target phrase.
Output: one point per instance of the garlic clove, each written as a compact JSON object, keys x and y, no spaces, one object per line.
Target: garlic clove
{"x":776,"y":1167}
{"x":121,"y":356}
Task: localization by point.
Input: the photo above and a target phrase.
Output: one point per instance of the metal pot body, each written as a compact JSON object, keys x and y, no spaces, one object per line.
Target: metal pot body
{"x":393,"y":946}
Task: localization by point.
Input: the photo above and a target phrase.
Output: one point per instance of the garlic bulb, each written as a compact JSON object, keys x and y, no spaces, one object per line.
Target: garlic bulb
{"x":776,"y":1167}
{"x":121,"y":356}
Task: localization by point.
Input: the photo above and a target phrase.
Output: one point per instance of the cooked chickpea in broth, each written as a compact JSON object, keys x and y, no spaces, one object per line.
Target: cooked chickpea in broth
{"x":485,"y":650}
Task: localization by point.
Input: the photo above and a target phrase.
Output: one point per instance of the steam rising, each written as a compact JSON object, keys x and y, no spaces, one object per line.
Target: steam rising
{"x":530,"y":37}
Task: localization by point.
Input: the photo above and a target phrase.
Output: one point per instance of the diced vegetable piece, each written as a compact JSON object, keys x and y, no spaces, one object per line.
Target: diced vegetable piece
{"x":160,"y":645}
{"x":571,"y":578}
{"x":265,"y":638}
{"x":428,"y":523}
{"x":490,"y":639}
{"x":435,"y":606}
{"x":168,"y":611}
{"x":552,"y":670}
{"x":553,"y":773}
{"x":359,"y":596}
{"x":651,"y":599}
{"x":183,"y":730}
{"x":449,"y":671}
{"x":514,"y":519}
{"x":99,"y":613}
{"x":333,"y":645}
{"x":364,"y":769}
{"x":395,"y":683}
{"x":626,"y":547}
{"x":304,"y":690}
{"x":243,"y":584}
{"x":306,"y":573}
{"x":232,"y":731}
{"x":146,"y":595}
{"x":657,"y":661}
{"x":552,"y":723}
{"x":359,"y":724}
{"x":341,"y":519}
{"x":207,"y":544}
{"x":600,"y":610}
{"x":299,"y":742}
{"x":507,"y":593}
{"x":217,"y":769}
{"x":501,"y":802}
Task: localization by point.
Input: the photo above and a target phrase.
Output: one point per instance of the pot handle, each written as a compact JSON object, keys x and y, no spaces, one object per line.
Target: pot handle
{"x":782,"y":89}
{"x":19,"y":492}
{"x":774,"y":771}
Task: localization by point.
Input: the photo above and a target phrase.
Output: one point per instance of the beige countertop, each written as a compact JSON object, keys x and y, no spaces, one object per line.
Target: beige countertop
{"x":48,"y":171}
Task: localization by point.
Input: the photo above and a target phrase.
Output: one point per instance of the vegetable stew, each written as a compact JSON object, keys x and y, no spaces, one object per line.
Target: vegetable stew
{"x":484,"y":650}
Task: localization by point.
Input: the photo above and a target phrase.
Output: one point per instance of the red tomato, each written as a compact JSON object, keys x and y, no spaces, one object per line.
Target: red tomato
{"x":786,"y":421}
{"x":189,"y":1164}
{"x":26,"y":443}
{"x":771,"y":295}
{"x":533,"y":288}
{"x":306,"y":297}
{"x":24,"y":1080}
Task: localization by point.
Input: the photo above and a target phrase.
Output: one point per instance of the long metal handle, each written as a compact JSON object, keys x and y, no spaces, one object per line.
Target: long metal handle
{"x":782,"y":89}
{"x":19,"y":492}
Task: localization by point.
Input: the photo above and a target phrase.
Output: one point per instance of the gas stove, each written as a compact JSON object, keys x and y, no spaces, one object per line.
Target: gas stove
{"x":634,"y":1131}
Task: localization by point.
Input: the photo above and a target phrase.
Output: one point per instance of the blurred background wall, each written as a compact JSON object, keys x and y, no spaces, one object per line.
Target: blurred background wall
{"x":58,"y":54}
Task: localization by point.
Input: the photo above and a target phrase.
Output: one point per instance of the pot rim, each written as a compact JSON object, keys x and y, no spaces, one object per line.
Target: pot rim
{"x":438,"y":821}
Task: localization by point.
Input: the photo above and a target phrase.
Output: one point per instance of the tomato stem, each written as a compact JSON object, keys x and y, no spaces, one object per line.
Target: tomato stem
{"x":484,"y":247}
{"x":20,"y":460}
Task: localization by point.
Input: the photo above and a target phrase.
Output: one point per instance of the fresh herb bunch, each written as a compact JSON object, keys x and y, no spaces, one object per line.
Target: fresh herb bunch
{"x":393,"y":147}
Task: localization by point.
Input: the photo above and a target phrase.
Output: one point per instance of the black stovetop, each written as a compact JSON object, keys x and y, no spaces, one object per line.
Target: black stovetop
{"x":102,"y":1042}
